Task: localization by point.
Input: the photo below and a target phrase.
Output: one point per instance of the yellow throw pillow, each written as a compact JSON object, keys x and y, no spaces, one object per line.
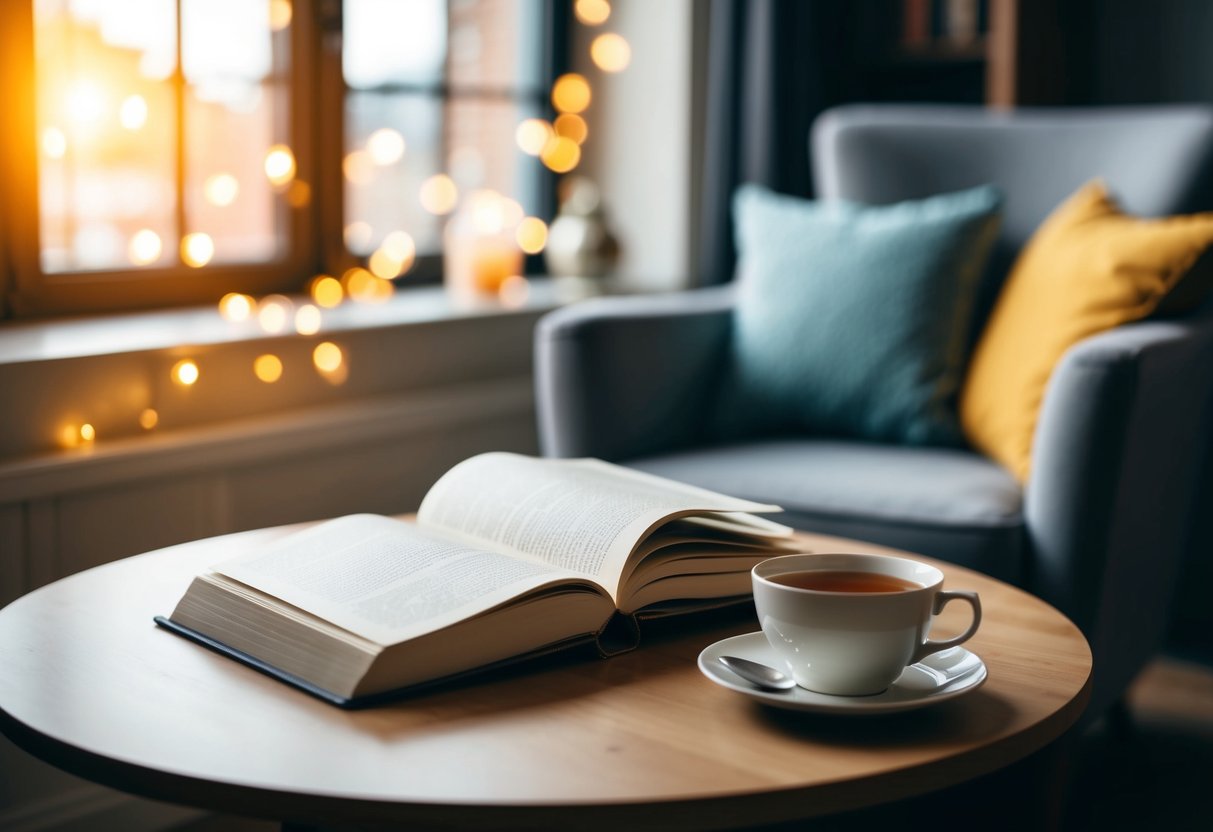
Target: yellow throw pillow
{"x":1088,"y":268}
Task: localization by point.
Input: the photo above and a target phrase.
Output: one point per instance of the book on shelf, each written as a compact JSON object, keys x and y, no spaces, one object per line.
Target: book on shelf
{"x":509,"y":556}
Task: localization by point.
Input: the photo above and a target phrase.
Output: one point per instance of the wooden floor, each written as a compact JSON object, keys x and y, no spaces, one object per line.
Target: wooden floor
{"x":1155,"y":773}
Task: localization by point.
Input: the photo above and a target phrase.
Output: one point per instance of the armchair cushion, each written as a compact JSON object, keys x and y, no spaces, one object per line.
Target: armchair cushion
{"x":1089,"y":268}
{"x":943,"y":502}
{"x":851,"y":319}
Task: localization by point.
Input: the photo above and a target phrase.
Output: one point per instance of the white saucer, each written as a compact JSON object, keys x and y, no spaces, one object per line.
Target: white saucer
{"x":939,"y":677}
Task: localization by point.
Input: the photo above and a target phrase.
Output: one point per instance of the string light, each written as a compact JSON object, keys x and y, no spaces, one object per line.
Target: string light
{"x":358,"y":167}
{"x":221,"y":189}
{"x":438,"y":194}
{"x":561,"y":154}
{"x":267,"y":368}
{"x":571,"y":126}
{"x":611,"y":52}
{"x":145,"y":247}
{"x":87,"y":432}
{"x":235,"y":307}
{"x":327,"y":357}
{"x":273,"y":312}
{"x":531,"y":135}
{"x":592,"y":12}
{"x":307,"y":320}
{"x":571,"y":93}
{"x":279,"y":164}
{"x":149,"y":418}
{"x":385,"y":146}
{"x":185,"y":372}
{"x":281,"y":13}
{"x":197,"y":249}
{"x":326,"y":291}
{"x":532,"y":235}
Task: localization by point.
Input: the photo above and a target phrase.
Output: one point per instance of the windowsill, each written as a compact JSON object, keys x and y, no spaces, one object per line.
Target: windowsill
{"x":110,"y":372}
{"x":112,"y":334}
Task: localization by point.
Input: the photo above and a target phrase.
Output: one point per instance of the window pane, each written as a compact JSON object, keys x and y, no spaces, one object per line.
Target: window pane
{"x":235,"y":118}
{"x":393,"y":145}
{"x":393,"y":42}
{"x":106,"y":133}
{"x":496,"y":44}
{"x":483,"y":152}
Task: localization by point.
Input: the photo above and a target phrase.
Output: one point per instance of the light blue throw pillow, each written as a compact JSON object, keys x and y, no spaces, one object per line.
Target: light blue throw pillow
{"x":852,"y":320}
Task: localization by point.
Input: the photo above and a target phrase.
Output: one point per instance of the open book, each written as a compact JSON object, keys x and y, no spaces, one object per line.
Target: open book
{"x":509,"y":556}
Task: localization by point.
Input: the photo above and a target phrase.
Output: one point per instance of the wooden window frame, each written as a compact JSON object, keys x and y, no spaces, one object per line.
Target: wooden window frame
{"x":315,"y":242}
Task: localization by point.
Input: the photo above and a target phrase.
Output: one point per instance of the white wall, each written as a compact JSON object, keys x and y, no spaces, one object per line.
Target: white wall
{"x":640,"y":144}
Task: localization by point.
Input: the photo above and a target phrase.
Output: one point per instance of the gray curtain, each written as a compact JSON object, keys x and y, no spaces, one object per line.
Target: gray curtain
{"x":772,"y":66}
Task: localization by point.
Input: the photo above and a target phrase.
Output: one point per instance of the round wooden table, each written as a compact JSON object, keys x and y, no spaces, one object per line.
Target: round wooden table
{"x":640,"y":740}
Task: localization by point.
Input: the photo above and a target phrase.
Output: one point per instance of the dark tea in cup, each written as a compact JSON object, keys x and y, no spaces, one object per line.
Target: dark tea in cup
{"x":838,"y":580}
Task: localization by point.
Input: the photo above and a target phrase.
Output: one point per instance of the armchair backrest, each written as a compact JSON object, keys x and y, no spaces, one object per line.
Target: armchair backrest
{"x":1156,"y":159}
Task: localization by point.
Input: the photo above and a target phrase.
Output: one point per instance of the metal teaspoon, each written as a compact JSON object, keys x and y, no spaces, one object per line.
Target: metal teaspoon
{"x":760,"y":675}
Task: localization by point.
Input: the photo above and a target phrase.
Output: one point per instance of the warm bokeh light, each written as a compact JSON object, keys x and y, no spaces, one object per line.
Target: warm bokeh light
{"x":385,"y":146}
{"x":401,"y":247}
{"x":149,"y":418}
{"x":571,"y":93}
{"x":438,"y":194}
{"x":358,"y":167}
{"x":383,"y":265}
{"x":87,"y":432}
{"x":514,"y":291}
{"x":185,"y":372}
{"x":592,"y":12}
{"x":281,"y":13}
{"x":307,"y":320}
{"x":327,"y":357}
{"x":364,"y":287}
{"x":561,"y":154}
{"x":571,"y":126}
{"x":273,"y":312}
{"x":235,"y":307}
{"x":221,"y":189}
{"x":299,"y":194}
{"x":197,"y":249}
{"x":611,"y":52}
{"x":267,"y":368}
{"x":532,"y":235}
{"x":279,"y":164}
{"x":357,"y":236}
{"x":54,"y":143}
{"x":133,"y":113}
{"x":532,"y":134}
{"x":144,"y":247}
{"x":327,"y":291}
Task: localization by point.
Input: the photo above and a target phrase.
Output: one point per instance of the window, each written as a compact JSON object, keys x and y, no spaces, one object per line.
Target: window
{"x":170,"y":151}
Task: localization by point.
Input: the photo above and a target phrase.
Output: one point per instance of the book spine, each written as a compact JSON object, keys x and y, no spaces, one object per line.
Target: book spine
{"x":915,"y":23}
{"x":960,"y":22}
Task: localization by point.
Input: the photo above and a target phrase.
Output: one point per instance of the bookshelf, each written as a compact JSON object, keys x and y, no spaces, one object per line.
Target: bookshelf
{"x":1002,"y":53}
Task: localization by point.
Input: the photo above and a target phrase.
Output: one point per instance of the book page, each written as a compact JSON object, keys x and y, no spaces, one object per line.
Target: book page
{"x":386,"y":580}
{"x":583,"y":515}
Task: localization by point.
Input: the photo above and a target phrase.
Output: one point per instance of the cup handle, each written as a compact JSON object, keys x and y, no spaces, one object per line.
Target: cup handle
{"x":941,"y":599}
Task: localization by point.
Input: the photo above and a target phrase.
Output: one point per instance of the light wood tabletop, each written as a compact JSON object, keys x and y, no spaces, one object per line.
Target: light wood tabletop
{"x":640,"y":740}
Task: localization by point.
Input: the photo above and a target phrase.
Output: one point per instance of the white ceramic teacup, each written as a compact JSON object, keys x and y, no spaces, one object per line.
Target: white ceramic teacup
{"x":853,"y":643}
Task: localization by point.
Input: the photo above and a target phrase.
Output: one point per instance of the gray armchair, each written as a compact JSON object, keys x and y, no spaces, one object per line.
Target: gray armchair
{"x":1101,"y":527}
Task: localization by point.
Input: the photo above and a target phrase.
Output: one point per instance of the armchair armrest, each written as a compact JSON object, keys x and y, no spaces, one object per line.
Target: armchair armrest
{"x":623,"y":377}
{"x":1113,"y":493}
